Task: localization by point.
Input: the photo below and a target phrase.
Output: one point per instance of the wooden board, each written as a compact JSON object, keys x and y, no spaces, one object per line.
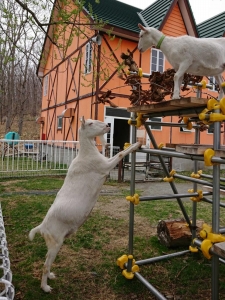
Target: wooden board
{"x":219,"y":249}
{"x":196,"y":149}
{"x":171,"y":105}
{"x":210,"y":189}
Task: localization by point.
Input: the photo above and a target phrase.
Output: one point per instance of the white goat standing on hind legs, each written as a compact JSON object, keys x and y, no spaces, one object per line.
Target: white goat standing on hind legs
{"x":79,"y":193}
{"x":187,"y":54}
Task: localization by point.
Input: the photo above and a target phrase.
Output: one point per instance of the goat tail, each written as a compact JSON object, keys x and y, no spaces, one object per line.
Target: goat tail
{"x":33,"y":232}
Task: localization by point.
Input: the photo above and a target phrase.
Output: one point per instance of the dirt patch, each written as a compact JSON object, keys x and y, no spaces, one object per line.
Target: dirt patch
{"x":119,"y":208}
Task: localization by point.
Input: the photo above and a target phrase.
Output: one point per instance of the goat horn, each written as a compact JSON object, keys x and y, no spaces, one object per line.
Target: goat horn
{"x":82,"y":120}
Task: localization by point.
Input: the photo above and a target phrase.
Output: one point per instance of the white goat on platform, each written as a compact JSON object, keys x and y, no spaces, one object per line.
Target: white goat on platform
{"x":79,"y":193}
{"x":197,"y":56}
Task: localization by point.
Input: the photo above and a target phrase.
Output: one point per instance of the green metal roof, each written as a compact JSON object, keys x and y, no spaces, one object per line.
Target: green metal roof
{"x":116,"y":13}
{"x":213,"y":27}
{"x":153,"y":15}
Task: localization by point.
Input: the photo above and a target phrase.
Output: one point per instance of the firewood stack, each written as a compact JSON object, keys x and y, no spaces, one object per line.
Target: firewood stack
{"x":161,"y":84}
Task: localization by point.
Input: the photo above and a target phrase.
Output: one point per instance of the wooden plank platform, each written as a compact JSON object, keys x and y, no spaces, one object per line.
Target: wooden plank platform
{"x":196,"y":149}
{"x":210,"y":189}
{"x":219,"y":249}
{"x":179,"y":107}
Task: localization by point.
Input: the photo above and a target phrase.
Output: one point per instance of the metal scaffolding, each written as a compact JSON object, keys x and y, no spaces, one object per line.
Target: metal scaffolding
{"x":212,"y":242}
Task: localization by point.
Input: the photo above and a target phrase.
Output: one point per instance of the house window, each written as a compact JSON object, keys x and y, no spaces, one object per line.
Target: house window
{"x":155,"y":126}
{"x":157,"y":61}
{"x":211,"y":128}
{"x":59,"y":122}
{"x":45,"y":86}
{"x":212,"y":81}
{"x":88,"y":57}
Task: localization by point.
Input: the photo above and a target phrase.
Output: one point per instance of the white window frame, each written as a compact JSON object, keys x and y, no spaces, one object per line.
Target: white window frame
{"x":59,"y":123}
{"x":88,"y":58}
{"x":158,"y":65}
{"x":212,"y":81}
{"x":45,"y":86}
{"x":156,"y":119}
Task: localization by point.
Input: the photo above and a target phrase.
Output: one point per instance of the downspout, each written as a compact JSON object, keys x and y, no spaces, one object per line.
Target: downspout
{"x":97,"y":81}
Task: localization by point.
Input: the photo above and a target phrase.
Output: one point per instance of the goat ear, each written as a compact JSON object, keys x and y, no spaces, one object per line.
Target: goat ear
{"x":141,"y":27}
{"x":82,"y":121}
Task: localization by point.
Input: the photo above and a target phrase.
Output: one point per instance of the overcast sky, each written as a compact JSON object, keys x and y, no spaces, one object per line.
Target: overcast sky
{"x":202,"y":9}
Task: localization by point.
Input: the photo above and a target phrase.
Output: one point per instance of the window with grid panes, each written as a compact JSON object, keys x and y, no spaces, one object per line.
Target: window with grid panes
{"x":157,"y":61}
{"x":59,"y":122}
{"x":155,"y":126}
{"x":212,"y":81}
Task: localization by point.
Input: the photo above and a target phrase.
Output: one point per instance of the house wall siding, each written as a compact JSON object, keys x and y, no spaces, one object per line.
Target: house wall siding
{"x":66,"y":85}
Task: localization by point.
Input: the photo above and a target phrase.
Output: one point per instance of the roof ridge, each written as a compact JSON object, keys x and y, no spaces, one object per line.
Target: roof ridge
{"x":210,"y":18}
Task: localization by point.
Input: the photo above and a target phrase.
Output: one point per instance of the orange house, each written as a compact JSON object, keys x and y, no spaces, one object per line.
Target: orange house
{"x":76,"y":79}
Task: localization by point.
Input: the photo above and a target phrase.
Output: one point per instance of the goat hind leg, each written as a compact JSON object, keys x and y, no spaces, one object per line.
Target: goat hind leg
{"x":219,"y":80}
{"x":53,"y":250}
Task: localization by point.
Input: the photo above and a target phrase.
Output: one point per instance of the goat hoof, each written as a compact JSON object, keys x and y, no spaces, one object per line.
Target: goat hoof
{"x":51,"y":276}
{"x":46,"y":288}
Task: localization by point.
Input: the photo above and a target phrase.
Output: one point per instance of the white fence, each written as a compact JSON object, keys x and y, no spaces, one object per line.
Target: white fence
{"x":7,"y":290}
{"x":19,"y":158}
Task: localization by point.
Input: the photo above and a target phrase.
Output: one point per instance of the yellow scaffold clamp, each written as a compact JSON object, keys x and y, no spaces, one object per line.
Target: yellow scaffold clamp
{"x":193,"y":249}
{"x":196,"y":198}
{"x":198,"y":175}
{"x":209,"y":239}
{"x":134,"y":199}
{"x":126,"y":145}
{"x":161,"y":145}
{"x":171,"y":178}
{"x":203,"y":83}
{"x":138,"y":121}
{"x":121,"y":261}
{"x":208,"y":154}
{"x":207,"y":116}
{"x":187,"y":123}
{"x":139,"y":72}
{"x":214,"y":104}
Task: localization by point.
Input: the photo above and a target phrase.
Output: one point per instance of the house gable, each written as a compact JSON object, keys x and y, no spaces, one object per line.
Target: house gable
{"x":154,"y":15}
{"x":176,"y":12}
{"x":175,"y":25}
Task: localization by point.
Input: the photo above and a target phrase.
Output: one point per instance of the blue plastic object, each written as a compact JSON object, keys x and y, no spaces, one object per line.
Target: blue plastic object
{"x":28,"y":146}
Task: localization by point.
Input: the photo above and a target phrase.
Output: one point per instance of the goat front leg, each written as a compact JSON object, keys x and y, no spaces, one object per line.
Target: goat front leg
{"x":113,"y":161}
{"x":178,"y":78}
{"x":177,"y":84}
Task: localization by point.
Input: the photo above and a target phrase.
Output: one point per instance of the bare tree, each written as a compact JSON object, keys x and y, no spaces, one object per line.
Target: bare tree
{"x":17,"y":61}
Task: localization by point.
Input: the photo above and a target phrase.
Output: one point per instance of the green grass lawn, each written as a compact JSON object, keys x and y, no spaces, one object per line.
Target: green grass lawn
{"x":86,"y":264}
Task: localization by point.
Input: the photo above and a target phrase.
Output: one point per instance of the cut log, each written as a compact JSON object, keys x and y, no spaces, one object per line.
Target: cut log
{"x":174,"y":233}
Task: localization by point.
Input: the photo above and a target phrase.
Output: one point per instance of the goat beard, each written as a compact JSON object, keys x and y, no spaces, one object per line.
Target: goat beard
{"x":103,"y":141}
